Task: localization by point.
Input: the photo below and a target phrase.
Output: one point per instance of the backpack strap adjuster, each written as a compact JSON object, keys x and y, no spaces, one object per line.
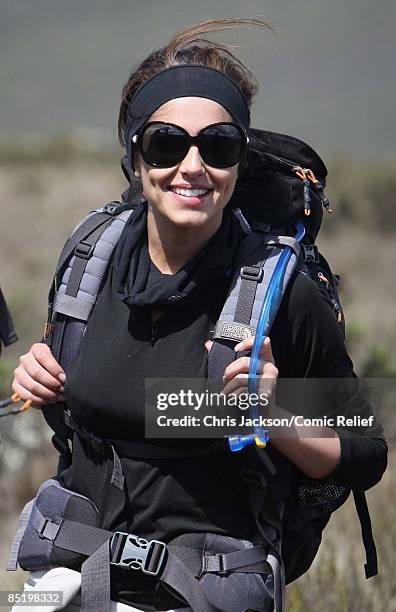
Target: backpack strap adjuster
{"x":84,"y":250}
{"x":252,"y":273}
{"x":111,"y":208}
{"x":310,"y":252}
{"x":129,"y":551}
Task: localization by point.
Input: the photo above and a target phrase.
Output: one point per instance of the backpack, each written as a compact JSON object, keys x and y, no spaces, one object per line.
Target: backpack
{"x":289,"y":177}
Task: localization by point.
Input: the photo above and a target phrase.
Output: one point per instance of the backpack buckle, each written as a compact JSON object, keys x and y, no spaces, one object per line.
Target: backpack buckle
{"x":310,"y":253}
{"x":252,"y":273}
{"x":48,"y":530}
{"x":111,"y":208}
{"x":129,"y":551}
{"x":84,"y":250}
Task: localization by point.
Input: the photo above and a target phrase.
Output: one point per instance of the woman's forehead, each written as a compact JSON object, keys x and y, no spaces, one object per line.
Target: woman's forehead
{"x":191,"y":110}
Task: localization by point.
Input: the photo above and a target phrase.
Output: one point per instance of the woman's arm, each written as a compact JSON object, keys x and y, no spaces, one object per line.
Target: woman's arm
{"x":316,"y":456}
{"x":307,"y":344}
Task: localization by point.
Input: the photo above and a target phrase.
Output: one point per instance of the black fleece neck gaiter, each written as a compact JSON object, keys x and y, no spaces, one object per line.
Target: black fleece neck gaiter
{"x":137,"y":287}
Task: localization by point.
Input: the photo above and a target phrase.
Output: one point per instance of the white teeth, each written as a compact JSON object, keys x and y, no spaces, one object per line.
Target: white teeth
{"x":189,"y":192}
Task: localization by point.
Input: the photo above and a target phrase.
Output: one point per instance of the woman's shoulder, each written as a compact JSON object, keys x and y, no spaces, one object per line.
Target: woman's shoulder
{"x":306,"y":332}
{"x":305,"y":304}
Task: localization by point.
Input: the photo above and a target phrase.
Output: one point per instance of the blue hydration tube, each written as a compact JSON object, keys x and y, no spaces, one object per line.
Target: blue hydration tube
{"x":266,"y":318}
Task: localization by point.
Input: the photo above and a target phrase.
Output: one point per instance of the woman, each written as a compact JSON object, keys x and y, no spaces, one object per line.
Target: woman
{"x":164,"y":290}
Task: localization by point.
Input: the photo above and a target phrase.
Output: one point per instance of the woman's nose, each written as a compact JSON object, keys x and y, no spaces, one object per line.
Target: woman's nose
{"x":192,"y":163}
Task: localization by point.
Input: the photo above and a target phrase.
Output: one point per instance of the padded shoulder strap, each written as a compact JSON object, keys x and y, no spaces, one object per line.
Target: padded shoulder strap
{"x":86,"y":254}
{"x":73,"y":294}
{"x":255,"y":264}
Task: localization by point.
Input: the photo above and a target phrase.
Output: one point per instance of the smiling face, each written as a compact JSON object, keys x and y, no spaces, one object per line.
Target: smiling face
{"x":191,"y":196}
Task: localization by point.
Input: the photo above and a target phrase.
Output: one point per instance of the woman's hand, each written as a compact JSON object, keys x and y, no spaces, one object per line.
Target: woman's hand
{"x":39,"y":377}
{"x":236,"y":373}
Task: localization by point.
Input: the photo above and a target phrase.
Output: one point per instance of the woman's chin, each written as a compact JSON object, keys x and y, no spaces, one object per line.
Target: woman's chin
{"x":196,"y":216}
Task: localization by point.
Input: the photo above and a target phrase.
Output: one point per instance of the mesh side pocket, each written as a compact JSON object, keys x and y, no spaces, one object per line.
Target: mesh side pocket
{"x":326,"y":497}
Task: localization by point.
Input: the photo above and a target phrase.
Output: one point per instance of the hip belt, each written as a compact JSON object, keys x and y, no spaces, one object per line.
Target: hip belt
{"x":60,"y":527}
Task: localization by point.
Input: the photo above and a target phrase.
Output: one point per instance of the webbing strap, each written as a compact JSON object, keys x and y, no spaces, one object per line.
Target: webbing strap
{"x":117,"y":477}
{"x":262,"y":506}
{"x":99,"y":445}
{"x":16,"y":541}
{"x":279,"y":581}
{"x":87,"y":226}
{"x":371,"y":565}
{"x":80,"y":538}
{"x":47,"y":528}
{"x":248,"y":560}
{"x":7,"y":331}
{"x":82,"y":253}
{"x":250,"y":277}
{"x":179,"y":577}
{"x":95,"y":581}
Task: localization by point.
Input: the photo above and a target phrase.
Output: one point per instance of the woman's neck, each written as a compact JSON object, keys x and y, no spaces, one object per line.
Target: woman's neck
{"x":171,"y":247}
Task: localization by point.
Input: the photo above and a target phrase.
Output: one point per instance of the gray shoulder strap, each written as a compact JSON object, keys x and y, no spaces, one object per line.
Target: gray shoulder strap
{"x":81,"y":281}
{"x":256,"y":261}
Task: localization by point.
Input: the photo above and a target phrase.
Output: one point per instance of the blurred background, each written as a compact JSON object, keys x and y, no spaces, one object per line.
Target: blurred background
{"x":325,"y":76}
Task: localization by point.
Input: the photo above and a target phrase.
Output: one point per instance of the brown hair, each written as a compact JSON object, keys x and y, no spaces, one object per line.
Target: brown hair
{"x":189,"y":47}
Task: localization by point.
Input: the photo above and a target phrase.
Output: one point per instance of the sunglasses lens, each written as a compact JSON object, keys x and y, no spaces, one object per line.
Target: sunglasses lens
{"x":163,"y":145}
{"x":221,"y":145}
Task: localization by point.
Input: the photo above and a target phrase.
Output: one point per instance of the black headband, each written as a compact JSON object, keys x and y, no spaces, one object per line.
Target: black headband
{"x":184,"y":80}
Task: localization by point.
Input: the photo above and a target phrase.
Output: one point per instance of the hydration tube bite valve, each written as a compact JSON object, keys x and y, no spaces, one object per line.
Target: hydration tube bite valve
{"x":269,"y":308}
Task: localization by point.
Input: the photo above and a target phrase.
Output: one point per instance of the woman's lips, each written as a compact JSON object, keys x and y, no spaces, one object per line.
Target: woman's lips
{"x":190,"y":199}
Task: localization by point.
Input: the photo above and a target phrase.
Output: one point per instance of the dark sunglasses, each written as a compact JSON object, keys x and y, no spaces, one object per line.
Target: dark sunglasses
{"x":164,"y":145}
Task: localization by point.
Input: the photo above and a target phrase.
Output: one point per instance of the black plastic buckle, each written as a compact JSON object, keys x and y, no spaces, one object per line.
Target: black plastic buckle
{"x":310,"y":253}
{"x":131,"y":552}
{"x":84,"y":250}
{"x":253,"y":273}
{"x":111,"y":208}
